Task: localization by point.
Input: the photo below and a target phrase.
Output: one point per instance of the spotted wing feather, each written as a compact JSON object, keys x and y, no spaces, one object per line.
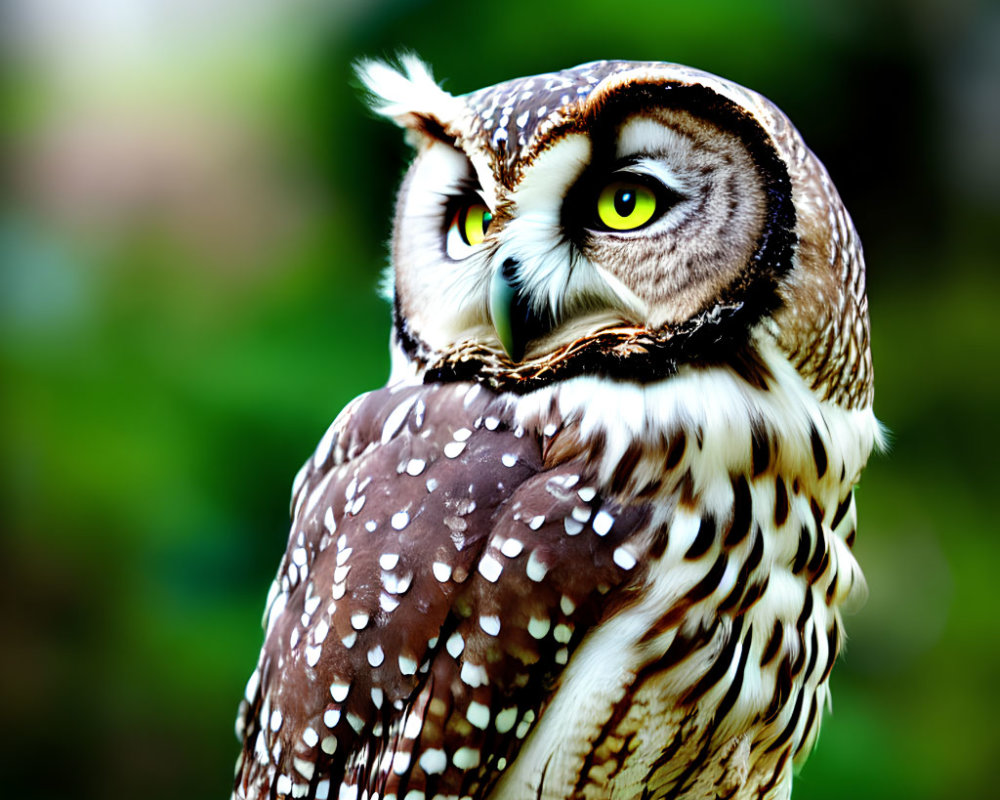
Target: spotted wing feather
{"x":431,"y":592}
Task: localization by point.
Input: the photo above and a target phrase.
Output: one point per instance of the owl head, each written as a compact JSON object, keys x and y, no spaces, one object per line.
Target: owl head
{"x":627,"y":219}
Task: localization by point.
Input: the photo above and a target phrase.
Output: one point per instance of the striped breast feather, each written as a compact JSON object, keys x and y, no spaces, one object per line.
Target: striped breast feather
{"x":442,"y":566}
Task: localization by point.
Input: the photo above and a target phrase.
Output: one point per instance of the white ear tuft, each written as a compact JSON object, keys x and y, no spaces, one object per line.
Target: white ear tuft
{"x":407,"y":95}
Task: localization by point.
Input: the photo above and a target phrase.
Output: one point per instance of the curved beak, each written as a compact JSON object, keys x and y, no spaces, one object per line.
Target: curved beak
{"x":514,"y":320}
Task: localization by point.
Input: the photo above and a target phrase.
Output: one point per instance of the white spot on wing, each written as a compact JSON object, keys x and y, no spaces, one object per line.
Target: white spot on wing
{"x":623,"y":558}
{"x":490,"y":568}
{"x":572,"y":526}
{"x":396,"y":418}
{"x":505,"y":719}
{"x":455,"y":645}
{"x":433,"y":761}
{"x":536,"y":568}
{"x":415,"y":466}
{"x":454,"y":449}
{"x":562,"y":633}
{"x":466,"y":758}
{"x":339,"y":691}
{"x":490,"y":624}
{"x":602,"y":523}
{"x":407,"y":665}
{"x":359,"y":619}
{"x":304,"y":768}
{"x":473,"y":675}
{"x":512,"y":548}
{"x":388,"y":560}
{"x":400,"y":520}
{"x":539,"y":628}
{"x":478,"y":715}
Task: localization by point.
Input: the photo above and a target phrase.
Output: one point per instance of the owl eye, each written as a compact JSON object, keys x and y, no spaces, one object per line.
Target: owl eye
{"x":626,"y":205}
{"x":467,"y":229}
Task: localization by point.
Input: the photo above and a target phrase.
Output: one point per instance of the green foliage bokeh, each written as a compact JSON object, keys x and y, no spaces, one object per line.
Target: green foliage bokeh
{"x":189,"y":257}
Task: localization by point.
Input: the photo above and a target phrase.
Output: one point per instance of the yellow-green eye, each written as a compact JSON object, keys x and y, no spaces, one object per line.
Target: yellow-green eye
{"x":473,"y":222}
{"x":467,"y":229}
{"x":626,"y":205}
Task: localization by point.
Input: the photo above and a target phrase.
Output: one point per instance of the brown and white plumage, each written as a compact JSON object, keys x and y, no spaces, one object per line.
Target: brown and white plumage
{"x":594,"y":536}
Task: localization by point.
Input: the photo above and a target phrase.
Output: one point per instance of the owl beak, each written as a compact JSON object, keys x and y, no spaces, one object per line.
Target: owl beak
{"x":515,"y":322}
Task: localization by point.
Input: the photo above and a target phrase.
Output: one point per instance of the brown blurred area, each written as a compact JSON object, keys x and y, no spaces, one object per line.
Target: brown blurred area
{"x":192,"y":230}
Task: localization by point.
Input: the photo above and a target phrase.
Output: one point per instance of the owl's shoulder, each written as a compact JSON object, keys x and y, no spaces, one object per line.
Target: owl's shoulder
{"x":432,"y":572}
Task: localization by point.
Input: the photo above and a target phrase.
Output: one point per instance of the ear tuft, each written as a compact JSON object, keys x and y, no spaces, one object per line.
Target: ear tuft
{"x":407,"y":94}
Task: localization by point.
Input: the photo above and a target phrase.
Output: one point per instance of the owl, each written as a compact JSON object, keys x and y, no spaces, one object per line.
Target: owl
{"x":594,"y":537}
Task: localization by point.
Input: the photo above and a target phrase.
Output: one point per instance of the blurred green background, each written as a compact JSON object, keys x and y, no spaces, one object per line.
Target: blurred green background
{"x":191,"y":236}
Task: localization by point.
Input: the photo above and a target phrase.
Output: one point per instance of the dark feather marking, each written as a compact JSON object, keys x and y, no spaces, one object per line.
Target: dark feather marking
{"x":625,"y":468}
{"x":802,"y":552}
{"x":737,"y":685}
{"x":739,"y":586}
{"x":667,"y":754}
{"x":819,"y":452}
{"x":661,"y":538}
{"x":816,"y":511}
{"x":685,"y":488}
{"x":813,"y":655}
{"x":760,"y":449}
{"x":710,"y":582}
{"x":754,"y":593}
{"x":779,"y":769}
{"x":773,"y":643}
{"x":799,"y":662}
{"x":742,"y":512}
{"x":832,"y":649}
{"x":680,"y":648}
{"x":807,"y":609}
{"x":650,"y":489}
{"x":780,"y":502}
{"x":809,"y":722}
{"x":598,"y":441}
{"x":750,"y":367}
{"x":676,"y":451}
{"x":541,"y":779}
{"x":704,"y":539}
{"x":820,"y":556}
{"x":842,"y":509}
{"x":618,"y":713}
{"x":782,"y":690}
{"x":831,"y":590}
{"x":681,"y":785}
{"x":824,"y":563}
{"x":786,"y":734}
{"x":720,"y":665}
